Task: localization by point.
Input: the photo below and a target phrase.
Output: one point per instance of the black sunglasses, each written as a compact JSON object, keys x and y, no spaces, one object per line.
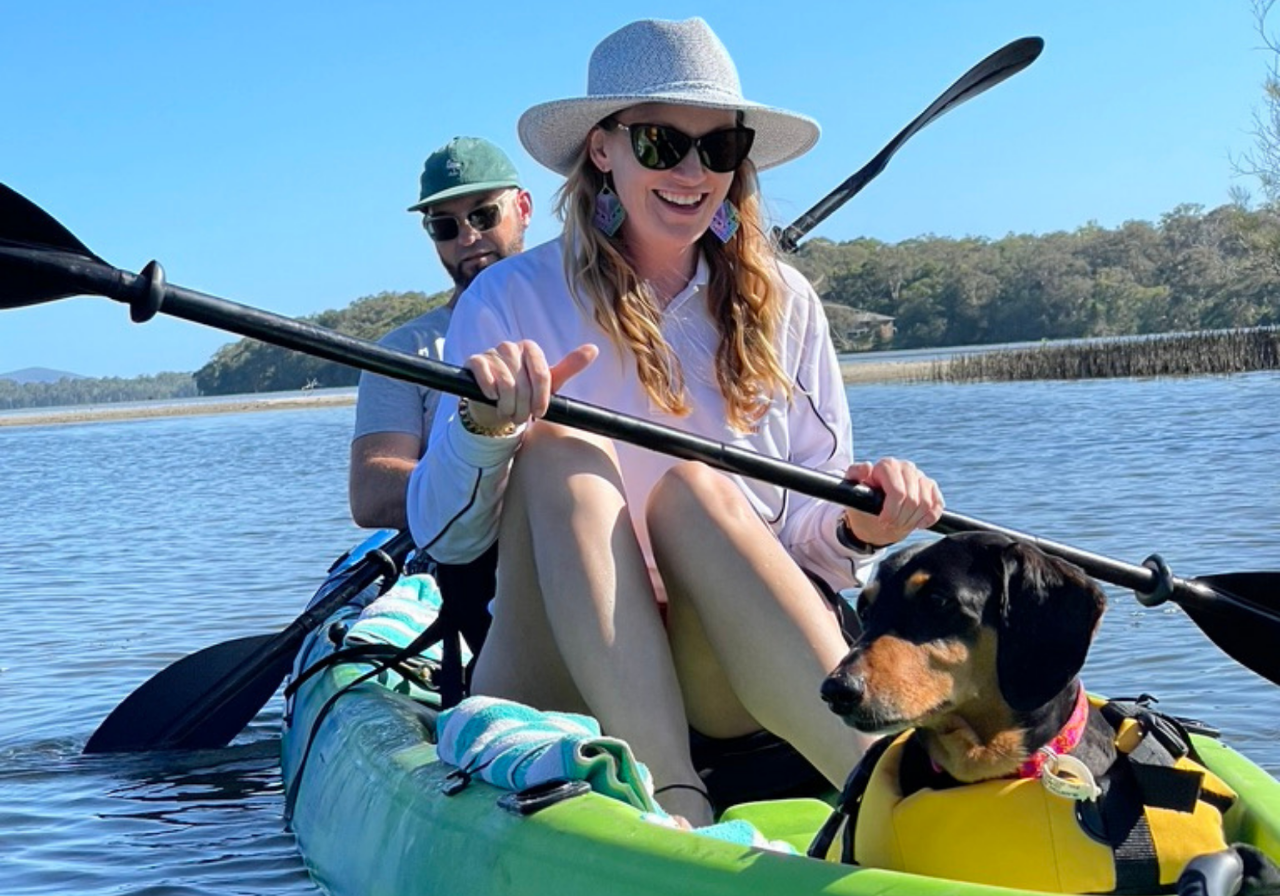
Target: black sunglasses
{"x":443,"y":228}
{"x":659,"y":146}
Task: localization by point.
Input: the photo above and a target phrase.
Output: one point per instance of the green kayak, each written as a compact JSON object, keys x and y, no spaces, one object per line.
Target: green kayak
{"x":374,"y":813}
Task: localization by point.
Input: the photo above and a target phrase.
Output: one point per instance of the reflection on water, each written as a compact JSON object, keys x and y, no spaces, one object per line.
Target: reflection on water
{"x":198,"y":823}
{"x":128,"y":545}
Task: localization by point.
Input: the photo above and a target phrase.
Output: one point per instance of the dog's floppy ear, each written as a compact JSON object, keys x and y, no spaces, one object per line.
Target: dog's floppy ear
{"x":1048,"y":614}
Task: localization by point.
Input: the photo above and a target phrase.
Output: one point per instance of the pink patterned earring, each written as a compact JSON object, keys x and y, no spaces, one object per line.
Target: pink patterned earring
{"x":725,"y":222}
{"x":609,"y":210}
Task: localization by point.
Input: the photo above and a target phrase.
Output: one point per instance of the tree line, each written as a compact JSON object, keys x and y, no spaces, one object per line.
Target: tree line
{"x":1193,"y":270}
{"x":86,"y":390}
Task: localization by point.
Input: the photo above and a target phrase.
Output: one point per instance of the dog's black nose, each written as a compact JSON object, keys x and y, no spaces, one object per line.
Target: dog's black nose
{"x":843,"y":692}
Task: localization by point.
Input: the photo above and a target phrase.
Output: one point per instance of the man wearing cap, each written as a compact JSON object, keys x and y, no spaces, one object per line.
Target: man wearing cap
{"x":476,"y":213}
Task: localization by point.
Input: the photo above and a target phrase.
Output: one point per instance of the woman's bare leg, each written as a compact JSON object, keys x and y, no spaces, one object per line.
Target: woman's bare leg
{"x":575,"y":623}
{"x":751,"y":637}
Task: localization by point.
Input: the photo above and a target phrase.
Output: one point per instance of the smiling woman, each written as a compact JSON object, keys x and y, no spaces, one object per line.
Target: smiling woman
{"x":663,"y":299}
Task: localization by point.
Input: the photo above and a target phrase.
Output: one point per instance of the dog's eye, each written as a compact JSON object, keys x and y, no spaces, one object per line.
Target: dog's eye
{"x":866,"y":597}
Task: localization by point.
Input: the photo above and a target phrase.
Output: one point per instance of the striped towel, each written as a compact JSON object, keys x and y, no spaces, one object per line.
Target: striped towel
{"x":514,"y":746}
{"x":395,"y":619}
{"x":400,"y":615}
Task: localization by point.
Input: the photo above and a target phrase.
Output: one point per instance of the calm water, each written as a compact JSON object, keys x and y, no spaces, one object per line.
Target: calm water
{"x":127,"y":545}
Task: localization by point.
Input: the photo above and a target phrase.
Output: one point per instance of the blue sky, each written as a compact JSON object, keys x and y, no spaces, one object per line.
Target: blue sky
{"x":265,"y":152}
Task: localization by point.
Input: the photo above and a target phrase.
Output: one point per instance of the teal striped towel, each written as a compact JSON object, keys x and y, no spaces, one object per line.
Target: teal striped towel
{"x":395,"y":619}
{"x":514,"y":746}
{"x":400,"y":615}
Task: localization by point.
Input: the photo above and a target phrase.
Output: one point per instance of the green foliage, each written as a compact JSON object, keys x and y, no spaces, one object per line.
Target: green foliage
{"x":1194,"y":270}
{"x":251,"y":366}
{"x":84,"y":390}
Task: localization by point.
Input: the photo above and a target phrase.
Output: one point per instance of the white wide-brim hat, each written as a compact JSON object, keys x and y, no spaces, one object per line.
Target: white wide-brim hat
{"x":655,"y":61}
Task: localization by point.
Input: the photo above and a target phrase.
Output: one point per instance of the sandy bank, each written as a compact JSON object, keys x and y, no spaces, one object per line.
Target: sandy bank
{"x":234,"y":404}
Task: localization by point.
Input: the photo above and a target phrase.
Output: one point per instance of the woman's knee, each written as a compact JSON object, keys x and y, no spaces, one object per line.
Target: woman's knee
{"x":692,"y":493}
{"x":548,"y":447}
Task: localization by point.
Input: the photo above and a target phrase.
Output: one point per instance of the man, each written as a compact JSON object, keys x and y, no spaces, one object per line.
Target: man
{"x":476,"y":212}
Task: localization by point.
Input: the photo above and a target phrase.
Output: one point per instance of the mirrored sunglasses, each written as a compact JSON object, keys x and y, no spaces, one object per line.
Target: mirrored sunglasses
{"x":443,"y":228}
{"x":659,"y":146}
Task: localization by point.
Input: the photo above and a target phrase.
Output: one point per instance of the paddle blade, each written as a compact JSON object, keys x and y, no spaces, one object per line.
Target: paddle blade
{"x":157,"y":716}
{"x":999,"y":66}
{"x":24,"y":227}
{"x":1241,"y":614}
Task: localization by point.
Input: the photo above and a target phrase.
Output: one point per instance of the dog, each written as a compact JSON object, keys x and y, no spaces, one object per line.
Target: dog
{"x":974,"y":644}
{"x":975,"y":641}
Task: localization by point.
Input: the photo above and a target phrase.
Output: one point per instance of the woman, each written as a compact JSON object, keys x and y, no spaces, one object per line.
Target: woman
{"x":652,"y":593}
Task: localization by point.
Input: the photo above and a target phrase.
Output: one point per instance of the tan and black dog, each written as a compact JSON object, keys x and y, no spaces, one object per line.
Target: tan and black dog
{"x":1009,"y":776}
{"x":975,"y":641}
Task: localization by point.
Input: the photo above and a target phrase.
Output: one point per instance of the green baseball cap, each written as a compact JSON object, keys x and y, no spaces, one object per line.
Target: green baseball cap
{"x":464,"y":165}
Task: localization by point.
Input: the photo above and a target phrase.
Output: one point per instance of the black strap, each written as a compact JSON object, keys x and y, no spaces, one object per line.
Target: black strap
{"x":850,"y":803}
{"x":465,"y":592}
{"x":1146,"y":776}
{"x":1125,"y":826}
{"x":385,"y":656}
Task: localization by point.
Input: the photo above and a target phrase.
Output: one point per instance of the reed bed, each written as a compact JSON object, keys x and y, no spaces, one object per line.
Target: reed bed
{"x":1185,"y":354}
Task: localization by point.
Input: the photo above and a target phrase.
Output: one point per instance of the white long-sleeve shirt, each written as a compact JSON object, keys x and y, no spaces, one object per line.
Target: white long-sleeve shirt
{"x":455,"y":493}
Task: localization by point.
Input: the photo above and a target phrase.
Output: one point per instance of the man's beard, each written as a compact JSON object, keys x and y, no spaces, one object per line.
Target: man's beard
{"x":462,"y":279}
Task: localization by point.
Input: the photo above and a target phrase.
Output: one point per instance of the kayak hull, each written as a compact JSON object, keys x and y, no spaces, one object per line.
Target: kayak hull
{"x":368,"y":805}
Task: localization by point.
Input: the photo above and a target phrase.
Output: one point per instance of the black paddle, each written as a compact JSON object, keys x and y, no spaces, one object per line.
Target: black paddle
{"x":1003,"y":63}
{"x":1239,"y":611}
{"x":205,"y":699}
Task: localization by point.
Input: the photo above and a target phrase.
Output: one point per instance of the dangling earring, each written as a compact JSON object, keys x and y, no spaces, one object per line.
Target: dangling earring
{"x":725,"y":222}
{"x":609,"y":210}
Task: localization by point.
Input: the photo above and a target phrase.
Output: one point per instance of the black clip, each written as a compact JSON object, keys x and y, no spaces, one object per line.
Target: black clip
{"x":455,"y":782}
{"x":540,"y":796}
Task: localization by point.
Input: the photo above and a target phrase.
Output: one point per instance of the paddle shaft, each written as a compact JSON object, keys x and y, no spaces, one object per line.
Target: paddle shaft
{"x":1000,"y":65}
{"x":99,"y":278}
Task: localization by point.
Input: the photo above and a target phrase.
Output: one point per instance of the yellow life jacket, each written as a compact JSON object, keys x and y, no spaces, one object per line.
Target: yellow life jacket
{"x":1158,"y":810}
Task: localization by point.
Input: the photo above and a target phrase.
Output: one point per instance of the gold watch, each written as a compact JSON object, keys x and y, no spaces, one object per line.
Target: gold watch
{"x":470,"y":425}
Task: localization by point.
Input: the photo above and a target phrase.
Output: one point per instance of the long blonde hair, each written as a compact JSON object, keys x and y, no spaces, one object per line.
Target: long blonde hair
{"x":744,"y":298}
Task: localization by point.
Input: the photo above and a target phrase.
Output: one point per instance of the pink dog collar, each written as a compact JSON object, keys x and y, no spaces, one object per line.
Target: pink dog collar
{"x":1063,"y":742}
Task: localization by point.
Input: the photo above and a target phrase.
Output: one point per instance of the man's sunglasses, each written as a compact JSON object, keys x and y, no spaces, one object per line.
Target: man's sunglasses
{"x":659,"y":146}
{"x":443,"y":228}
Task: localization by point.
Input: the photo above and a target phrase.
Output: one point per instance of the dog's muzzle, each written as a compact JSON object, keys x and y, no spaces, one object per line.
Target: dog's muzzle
{"x":844,"y":694}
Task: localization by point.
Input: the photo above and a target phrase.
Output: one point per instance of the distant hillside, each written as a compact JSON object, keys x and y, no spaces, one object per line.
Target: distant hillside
{"x":39,"y":375}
